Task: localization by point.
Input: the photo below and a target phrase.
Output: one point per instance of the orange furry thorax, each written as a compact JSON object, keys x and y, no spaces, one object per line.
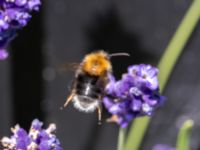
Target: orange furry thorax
{"x":96,"y":63}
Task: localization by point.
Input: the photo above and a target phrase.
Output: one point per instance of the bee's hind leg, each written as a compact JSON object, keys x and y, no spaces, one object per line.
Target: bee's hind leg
{"x":99,"y":109}
{"x":69,"y":99}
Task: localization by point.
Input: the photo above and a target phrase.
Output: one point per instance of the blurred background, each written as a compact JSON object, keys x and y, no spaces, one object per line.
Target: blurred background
{"x":32,"y":85}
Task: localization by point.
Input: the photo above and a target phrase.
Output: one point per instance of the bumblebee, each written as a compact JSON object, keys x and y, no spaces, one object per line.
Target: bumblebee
{"x":91,"y":77}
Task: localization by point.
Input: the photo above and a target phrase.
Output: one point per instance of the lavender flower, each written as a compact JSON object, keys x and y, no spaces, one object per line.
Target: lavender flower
{"x":36,"y":139}
{"x":136,"y":94}
{"x":14,"y":15}
{"x":163,"y":147}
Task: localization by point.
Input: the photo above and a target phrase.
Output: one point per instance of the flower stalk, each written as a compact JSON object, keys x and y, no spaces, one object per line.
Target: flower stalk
{"x":121,"y":139}
{"x":166,"y":65}
{"x":183,"y":140}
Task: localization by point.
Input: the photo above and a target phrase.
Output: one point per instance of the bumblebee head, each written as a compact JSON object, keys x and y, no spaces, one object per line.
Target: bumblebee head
{"x":97,"y":63}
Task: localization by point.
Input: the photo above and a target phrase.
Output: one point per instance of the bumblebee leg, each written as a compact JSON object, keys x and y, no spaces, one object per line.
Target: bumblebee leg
{"x":99,"y":109}
{"x":69,"y":99}
{"x":113,"y":118}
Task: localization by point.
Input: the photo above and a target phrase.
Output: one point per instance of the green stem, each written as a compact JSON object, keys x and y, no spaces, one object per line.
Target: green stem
{"x":121,"y":138}
{"x":166,"y":65}
{"x":136,"y":133}
{"x":183,"y":140}
{"x":178,"y":42}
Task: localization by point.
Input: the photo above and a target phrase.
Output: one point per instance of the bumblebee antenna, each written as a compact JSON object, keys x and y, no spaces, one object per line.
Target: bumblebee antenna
{"x":119,"y":54}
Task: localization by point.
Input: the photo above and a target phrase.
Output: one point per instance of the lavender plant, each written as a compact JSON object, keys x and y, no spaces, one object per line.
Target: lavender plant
{"x":14,"y":15}
{"x":166,"y":65}
{"x":136,"y":94}
{"x":36,"y":139}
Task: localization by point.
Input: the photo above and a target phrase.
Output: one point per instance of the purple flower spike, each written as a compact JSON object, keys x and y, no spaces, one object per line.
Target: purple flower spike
{"x":135,"y":95}
{"x":163,"y":147}
{"x":36,"y":139}
{"x":14,"y":15}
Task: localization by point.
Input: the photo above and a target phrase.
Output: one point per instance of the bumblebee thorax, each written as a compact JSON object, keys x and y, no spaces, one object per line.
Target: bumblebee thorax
{"x":96,"y":63}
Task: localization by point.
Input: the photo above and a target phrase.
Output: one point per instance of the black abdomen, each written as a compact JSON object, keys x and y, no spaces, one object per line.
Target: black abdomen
{"x":89,"y":86}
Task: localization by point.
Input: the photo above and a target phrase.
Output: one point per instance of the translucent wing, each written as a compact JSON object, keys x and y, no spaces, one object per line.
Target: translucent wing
{"x":68,"y":67}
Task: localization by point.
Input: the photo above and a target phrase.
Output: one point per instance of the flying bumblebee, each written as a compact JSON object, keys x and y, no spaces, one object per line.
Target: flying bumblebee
{"x":91,"y":77}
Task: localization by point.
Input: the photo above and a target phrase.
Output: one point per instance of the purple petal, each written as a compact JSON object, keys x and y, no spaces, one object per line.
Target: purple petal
{"x":132,"y":70}
{"x":149,"y":101}
{"x":135,"y":91}
{"x":33,"y":5}
{"x":136,"y":105}
{"x":22,"y":139}
{"x":123,"y":123}
{"x":36,"y":124}
{"x":147,"y":109}
{"x":44,"y":146}
{"x":117,"y":108}
{"x":108,"y":103}
{"x":3,"y":24}
{"x":3,"y":54}
{"x":121,"y":89}
{"x":20,"y":2}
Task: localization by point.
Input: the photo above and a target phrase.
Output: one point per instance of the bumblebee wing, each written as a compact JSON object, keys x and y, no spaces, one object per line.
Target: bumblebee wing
{"x":103,"y":80}
{"x":68,"y":67}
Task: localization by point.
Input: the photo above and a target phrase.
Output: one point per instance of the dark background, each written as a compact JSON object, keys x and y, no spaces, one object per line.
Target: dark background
{"x":32,"y":85}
